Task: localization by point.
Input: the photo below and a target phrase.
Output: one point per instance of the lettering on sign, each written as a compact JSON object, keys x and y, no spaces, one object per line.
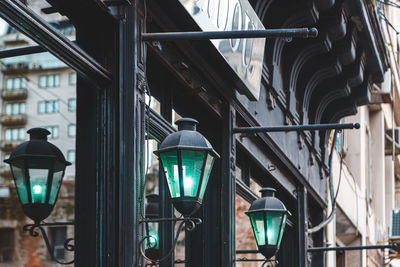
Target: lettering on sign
{"x":245,"y":56}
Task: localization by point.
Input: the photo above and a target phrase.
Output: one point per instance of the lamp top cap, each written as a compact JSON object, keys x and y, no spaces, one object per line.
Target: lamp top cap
{"x":186,"y":124}
{"x":38,"y":134}
{"x":268,"y":192}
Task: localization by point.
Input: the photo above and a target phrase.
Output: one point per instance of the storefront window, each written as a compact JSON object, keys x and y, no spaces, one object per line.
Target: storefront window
{"x":152,"y":167}
{"x":244,"y":233}
{"x":25,"y":79}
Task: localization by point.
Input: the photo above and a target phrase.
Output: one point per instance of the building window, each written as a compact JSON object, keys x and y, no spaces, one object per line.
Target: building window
{"x":6,"y":244}
{"x":15,"y":109}
{"x":15,"y":83}
{"x":50,"y":106}
{"x":47,"y":81}
{"x":72,"y":104}
{"x":72,"y":78}
{"x":71,"y":156}
{"x":72,"y":130}
{"x":16,"y":134}
{"x":53,"y":131}
{"x":58,"y":237}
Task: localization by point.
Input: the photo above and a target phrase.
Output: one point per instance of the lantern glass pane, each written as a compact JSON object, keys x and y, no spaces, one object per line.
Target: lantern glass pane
{"x":257,"y":221}
{"x":38,"y":180}
{"x":169,"y":161}
{"x":192,"y":164}
{"x":20,"y":182}
{"x":153,"y":239}
{"x":282,"y":229}
{"x":55,"y":186}
{"x":274,"y":220}
{"x":206,"y":174}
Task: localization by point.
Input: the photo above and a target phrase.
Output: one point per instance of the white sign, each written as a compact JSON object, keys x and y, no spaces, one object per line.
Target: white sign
{"x":245,"y":56}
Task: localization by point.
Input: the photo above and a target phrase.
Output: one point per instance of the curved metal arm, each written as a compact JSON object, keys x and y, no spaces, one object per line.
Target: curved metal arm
{"x":32,"y":229}
{"x":190,"y":225}
{"x":265,"y":261}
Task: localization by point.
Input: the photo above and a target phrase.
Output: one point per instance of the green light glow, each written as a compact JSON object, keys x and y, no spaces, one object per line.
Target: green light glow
{"x":273,"y":224}
{"x":282,"y":229}
{"x":268,"y":234}
{"x":37,"y":189}
{"x":257,"y":220}
{"x":38,"y":179}
{"x":193,"y":177}
{"x":170,"y":163}
{"x":153,"y":238}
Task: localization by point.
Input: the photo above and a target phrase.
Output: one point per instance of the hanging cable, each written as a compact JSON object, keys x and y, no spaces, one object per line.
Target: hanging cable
{"x":332,"y":193}
{"x":382,"y":15}
{"x":388,"y":3}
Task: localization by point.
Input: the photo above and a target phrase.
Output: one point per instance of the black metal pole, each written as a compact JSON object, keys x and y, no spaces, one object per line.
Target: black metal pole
{"x":271,"y":33}
{"x":250,"y":251}
{"x":289,"y":128}
{"x":319,"y":249}
{"x":22,"y":51}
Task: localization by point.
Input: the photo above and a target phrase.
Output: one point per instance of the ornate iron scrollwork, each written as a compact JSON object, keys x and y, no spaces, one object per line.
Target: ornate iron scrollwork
{"x":68,"y":244}
{"x":188,"y":224}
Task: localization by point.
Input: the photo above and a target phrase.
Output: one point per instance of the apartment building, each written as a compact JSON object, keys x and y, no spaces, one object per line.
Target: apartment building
{"x":37,"y":90}
{"x":366,"y":166}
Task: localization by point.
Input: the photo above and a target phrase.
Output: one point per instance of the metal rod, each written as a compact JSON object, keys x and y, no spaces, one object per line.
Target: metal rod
{"x":188,"y":219}
{"x":289,"y":128}
{"x":270,"y":33}
{"x":57,"y":224}
{"x":22,"y":51}
{"x":250,"y":251}
{"x":250,"y":260}
{"x":318,"y":249}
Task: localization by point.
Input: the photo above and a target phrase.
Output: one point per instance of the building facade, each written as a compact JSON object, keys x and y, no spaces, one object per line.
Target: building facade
{"x":37,"y":91}
{"x":367,"y":165}
{"x":129,"y":93}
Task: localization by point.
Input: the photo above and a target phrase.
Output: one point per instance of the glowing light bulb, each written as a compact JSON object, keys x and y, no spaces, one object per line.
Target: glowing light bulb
{"x":37,"y":189}
{"x":188,"y":182}
{"x":153,"y":241}
{"x":269,"y":235}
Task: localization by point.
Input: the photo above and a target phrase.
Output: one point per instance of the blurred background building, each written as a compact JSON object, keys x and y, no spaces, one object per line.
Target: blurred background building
{"x":37,"y":90}
{"x":367,"y":165}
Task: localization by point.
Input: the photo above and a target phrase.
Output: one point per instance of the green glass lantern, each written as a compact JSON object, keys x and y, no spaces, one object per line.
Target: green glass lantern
{"x":38,"y":168}
{"x":152,"y":245}
{"x":187,"y":159}
{"x":268,"y":218}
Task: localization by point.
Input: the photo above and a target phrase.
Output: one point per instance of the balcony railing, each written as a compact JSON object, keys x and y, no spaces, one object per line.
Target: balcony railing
{"x":9,"y":146}
{"x":20,"y":94}
{"x":13,"y":120}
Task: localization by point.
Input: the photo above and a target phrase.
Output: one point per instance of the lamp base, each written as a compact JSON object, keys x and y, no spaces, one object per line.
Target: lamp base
{"x":37,"y":211}
{"x":268,"y":251}
{"x":186,"y":205}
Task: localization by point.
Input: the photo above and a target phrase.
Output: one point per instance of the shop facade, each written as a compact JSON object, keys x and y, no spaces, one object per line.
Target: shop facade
{"x":223,"y":85}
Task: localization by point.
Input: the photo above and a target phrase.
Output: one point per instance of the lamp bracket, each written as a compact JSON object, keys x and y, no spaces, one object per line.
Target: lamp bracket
{"x":288,"y":34}
{"x":322,"y":249}
{"x":156,"y":264}
{"x":244,"y":259}
{"x":68,"y":246}
{"x":292,"y":128}
{"x":188,"y":223}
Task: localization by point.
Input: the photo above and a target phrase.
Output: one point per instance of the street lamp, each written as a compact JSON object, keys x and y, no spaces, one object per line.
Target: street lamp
{"x":268,"y":218}
{"x":152,"y":228}
{"x":187,"y":159}
{"x":38,"y":168}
